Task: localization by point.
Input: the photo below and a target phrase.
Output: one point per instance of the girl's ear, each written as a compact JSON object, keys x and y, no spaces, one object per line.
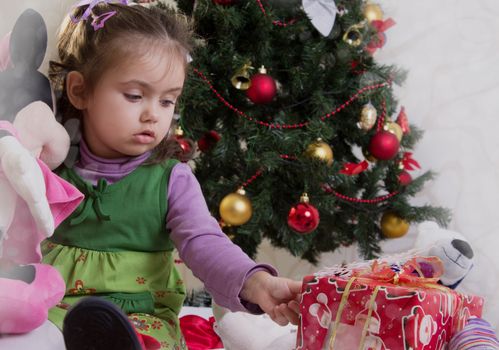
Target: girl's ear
{"x":75,"y":87}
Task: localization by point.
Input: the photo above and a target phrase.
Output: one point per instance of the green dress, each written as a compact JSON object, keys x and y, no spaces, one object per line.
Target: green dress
{"x":115,"y":245}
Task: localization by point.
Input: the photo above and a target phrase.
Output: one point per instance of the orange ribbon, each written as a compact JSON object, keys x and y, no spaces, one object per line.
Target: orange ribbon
{"x":413,"y":272}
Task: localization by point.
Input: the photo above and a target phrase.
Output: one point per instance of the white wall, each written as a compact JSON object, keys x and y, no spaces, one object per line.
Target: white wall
{"x":451,"y":50}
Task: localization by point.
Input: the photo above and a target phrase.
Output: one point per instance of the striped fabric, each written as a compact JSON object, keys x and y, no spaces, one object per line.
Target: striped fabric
{"x":477,"y":335}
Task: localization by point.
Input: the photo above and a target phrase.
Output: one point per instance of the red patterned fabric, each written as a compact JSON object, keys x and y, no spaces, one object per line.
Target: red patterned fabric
{"x":398,"y":316}
{"x":199,"y":334}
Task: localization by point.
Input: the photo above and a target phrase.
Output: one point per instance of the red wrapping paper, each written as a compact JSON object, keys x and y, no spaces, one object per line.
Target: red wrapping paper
{"x":418,"y":315}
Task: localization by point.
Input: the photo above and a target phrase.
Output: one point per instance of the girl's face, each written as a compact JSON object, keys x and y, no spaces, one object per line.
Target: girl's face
{"x":131,"y":108}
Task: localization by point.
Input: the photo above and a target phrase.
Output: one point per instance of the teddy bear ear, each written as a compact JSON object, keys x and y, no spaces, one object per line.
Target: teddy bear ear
{"x":28,"y":41}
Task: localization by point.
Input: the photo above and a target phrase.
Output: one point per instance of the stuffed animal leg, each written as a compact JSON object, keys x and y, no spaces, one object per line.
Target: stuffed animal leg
{"x":23,"y":173}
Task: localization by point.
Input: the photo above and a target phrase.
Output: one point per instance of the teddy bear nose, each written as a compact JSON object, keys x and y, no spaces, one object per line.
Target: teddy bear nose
{"x":463,"y":247}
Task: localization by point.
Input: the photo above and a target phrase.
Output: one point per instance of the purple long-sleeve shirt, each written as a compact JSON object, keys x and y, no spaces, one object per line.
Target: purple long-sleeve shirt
{"x":206,"y":250}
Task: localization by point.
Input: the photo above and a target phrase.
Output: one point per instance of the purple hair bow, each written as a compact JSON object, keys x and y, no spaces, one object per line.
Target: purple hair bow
{"x":99,"y":21}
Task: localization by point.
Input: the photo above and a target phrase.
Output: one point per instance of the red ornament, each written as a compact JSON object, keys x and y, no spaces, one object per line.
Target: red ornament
{"x":263,"y":88}
{"x":405,"y":178}
{"x":384,"y":145}
{"x":403,"y":121}
{"x":208,"y":140}
{"x":303,"y":217}
{"x":184,"y":144}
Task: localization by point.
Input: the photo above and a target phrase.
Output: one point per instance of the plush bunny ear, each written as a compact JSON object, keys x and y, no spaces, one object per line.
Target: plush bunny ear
{"x":5,"y":53}
{"x":21,"y":83}
{"x":28,"y":42}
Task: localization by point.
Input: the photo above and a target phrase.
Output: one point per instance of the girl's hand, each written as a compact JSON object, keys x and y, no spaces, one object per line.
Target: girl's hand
{"x":278,"y":297}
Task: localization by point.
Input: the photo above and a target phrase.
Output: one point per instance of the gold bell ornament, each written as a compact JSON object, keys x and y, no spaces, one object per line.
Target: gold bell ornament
{"x":395,"y":129}
{"x":372,"y":12}
{"x":368,"y":116}
{"x":353,"y":35}
{"x":241,"y":80}
{"x":235,"y":208}
{"x":320,"y":150}
{"x":393,"y":226}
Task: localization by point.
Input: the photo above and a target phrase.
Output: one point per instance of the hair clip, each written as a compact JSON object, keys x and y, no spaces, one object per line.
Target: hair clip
{"x":98,"y":21}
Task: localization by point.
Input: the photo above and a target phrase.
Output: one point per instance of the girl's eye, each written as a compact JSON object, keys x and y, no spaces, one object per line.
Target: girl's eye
{"x":167,"y":103}
{"x":132,"y":97}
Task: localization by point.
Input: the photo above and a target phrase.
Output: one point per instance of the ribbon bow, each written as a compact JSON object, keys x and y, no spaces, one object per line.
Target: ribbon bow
{"x":379,"y":40}
{"x":408,"y":162}
{"x":98,"y":21}
{"x":418,"y":271}
{"x":322,"y":14}
{"x":92,"y":199}
{"x":354,"y":168}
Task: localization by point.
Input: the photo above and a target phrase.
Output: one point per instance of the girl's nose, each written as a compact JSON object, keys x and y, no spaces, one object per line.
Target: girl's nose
{"x":150,"y":114}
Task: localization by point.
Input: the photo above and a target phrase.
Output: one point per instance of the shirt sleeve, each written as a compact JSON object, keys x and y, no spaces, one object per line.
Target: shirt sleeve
{"x":204,"y":247}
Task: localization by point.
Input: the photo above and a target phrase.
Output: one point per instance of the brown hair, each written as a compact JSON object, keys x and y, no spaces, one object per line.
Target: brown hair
{"x":133,"y":31}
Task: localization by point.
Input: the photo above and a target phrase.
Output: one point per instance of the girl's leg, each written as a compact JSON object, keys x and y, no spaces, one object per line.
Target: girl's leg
{"x":45,"y":337}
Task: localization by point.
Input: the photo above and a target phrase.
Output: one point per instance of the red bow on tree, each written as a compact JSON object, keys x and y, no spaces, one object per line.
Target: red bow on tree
{"x":354,"y":168}
{"x":408,"y":162}
{"x":379,"y":40}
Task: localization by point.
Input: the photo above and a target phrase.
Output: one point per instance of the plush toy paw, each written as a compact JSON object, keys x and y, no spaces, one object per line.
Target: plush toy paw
{"x":24,"y":174}
{"x":451,"y":247}
{"x":27,"y":292}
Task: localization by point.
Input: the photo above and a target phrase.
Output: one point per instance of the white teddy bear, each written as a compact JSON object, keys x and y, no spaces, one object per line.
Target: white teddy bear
{"x":451,"y":247}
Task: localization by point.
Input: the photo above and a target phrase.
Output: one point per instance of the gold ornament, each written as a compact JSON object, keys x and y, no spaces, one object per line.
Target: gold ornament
{"x":320,"y":150}
{"x":373,"y":12}
{"x":178,"y":131}
{"x":393,"y":226}
{"x":395,"y":129}
{"x":368,"y":117}
{"x":235,"y":208}
{"x":227,"y":229}
{"x":241,"y":80}
{"x":353,"y":36}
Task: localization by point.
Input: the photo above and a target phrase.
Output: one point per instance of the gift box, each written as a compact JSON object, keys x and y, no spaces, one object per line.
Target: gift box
{"x":382,"y":307}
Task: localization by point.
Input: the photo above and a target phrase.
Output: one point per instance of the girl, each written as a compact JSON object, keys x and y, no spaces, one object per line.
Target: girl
{"x":120,"y":73}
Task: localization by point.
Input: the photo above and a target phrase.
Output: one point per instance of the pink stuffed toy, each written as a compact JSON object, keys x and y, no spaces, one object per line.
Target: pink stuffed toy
{"x":33,"y":200}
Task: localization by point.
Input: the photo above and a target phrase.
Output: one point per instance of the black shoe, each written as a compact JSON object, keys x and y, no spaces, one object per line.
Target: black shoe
{"x":97,"y":324}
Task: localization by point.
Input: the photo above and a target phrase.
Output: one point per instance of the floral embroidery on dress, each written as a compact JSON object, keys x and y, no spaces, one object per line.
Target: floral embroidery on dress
{"x":140,"y":280}
{"x":80,"y":289}
{"x":82,"y":258}
{"x":160,"y":293}
{"x":157,"y":325}
{"x":140,"y":325}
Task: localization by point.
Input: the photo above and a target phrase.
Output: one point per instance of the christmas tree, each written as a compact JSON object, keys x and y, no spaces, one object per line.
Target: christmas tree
{"x":288,"y":104}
